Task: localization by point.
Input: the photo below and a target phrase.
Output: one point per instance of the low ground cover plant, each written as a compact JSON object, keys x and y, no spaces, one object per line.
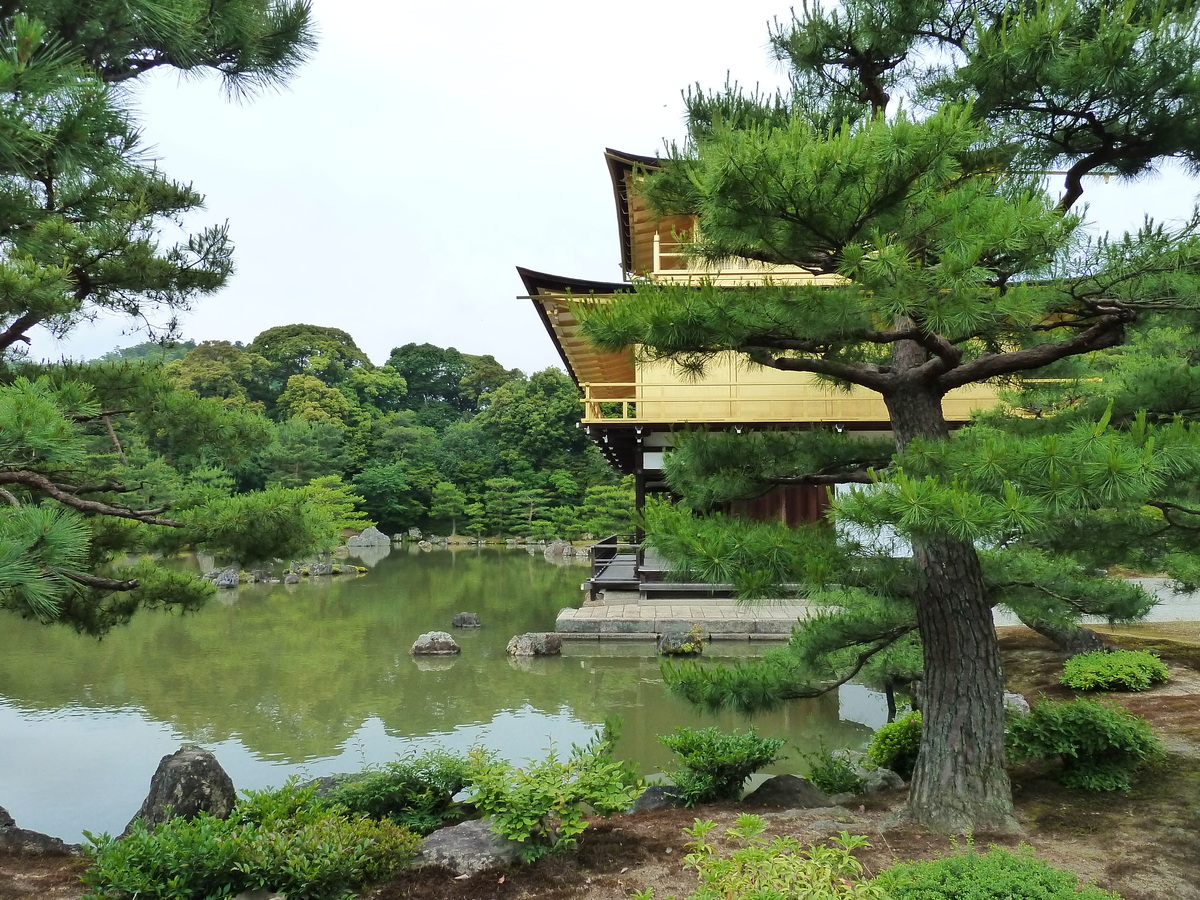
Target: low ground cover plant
{"x":773,"y":867}
{"x":1114,"y":670}
{"x":896,"y":744}
{"x":286,"y":840}
{"x":416,"y":792}
{"x":715,"y":764}
{"x":1101,"y":747}
{"x":996,"y":875}
{"x":544,"y":804}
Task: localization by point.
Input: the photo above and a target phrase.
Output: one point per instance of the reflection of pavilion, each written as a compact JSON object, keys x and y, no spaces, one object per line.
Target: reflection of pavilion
{"x":632,"y":408}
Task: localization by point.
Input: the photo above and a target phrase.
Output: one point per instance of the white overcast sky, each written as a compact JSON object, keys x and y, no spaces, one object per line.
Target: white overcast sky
{"x":429,"y":148}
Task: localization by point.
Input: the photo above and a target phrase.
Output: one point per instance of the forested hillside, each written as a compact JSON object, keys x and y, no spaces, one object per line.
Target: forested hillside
{"x":433,"y":438}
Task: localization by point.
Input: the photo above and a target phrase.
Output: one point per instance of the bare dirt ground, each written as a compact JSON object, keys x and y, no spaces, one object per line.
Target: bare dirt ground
{"x":1145,"y":845}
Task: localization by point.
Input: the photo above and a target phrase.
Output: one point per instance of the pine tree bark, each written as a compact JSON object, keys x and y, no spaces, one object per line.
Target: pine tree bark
{"x":959,"y":784}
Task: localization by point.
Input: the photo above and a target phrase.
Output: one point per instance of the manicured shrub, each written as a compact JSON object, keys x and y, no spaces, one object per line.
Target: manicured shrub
{"x":833,"y":773}
{"x":779,"y":867}
{"x":543,"y":805}
{"x":714,"y":764}
{"x":415,"y":792}
{"x":285,"y":841}
{"x":995,"y":875}
{"x":1114,"y":670}
{"x":1101,"y":747}
{"x":896,"y":744}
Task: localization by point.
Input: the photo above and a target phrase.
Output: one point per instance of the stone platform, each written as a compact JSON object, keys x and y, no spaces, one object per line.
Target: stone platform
{"x":718,"y":620}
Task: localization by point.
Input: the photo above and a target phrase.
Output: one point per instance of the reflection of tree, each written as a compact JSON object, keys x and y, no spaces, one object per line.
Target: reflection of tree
{"x":293,"y":674}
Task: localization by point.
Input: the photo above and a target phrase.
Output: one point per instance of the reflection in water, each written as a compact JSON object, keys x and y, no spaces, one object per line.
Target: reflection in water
{"x":316,"y":678}
{"x":369,"y":556}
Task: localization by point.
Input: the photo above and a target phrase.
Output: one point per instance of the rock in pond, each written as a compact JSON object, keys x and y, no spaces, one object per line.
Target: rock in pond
{"x":466,"y":620}
{"x":434,"y":643}
{"x":369,"y":537}
{"x":187,"y":782}
{"x":680,"y":641}
{"x":535,"y":643}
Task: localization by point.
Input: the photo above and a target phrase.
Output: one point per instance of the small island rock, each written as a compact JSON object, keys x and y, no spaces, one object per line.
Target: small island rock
{"x":535,"y":643}
{"x":466,"y":620}
{"x":434,"y":643}
{"x":370,"y":537}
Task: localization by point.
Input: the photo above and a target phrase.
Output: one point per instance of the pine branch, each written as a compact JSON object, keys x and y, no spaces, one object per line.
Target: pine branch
{"x":104,"y":584}
{"x":867,"y":375}
{"x":1109,"y":331}
{"x":882,"y":643}
{"x":16,"y":331}
{"x":91,"y":507}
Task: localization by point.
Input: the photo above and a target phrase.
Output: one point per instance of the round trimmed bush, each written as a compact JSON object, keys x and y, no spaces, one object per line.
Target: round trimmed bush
{"x":896,"y":744}
{"x":1114,"y":670}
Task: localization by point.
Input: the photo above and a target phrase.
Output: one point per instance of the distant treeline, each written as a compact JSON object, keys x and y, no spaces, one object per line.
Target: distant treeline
{"x":434,"y":438}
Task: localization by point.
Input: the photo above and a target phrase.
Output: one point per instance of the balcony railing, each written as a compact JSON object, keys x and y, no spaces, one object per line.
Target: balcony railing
{"x":673,"y":261}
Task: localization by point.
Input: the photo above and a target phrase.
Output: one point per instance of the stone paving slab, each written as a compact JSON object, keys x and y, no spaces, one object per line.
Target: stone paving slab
{"x":730,"y":621}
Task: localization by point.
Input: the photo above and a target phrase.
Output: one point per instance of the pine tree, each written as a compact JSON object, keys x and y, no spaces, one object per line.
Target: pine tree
{"x":100,"y":462}
{"x":905,"y":160}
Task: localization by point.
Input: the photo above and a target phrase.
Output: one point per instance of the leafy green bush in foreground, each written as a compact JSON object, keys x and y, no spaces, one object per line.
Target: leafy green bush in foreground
{"x":715,"y":765}
{"x":995,"y":875}
{"x":833,"y":773}
{"x":1114,"y":670}
{"x":283,"y":840}
{"x":896,"y":744}
{"x":543,"y":805}
{"x":415,"y":792}
{"x":1101,"y":747}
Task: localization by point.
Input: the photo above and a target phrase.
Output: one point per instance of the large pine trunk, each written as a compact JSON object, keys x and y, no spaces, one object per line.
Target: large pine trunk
{"x":959,"y":784}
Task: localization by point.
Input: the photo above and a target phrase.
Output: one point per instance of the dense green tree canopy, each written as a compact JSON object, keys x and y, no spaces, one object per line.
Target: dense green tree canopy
{"x":905,"y":160}
{"x":100,"y":462}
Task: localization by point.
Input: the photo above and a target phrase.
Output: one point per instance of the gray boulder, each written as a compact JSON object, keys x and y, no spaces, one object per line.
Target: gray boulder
{"x":876,"y":781}
{"x":226,"y":578}
{"x":466,"y":620}
{"x":291,"y":578}
{"x":320,"y":568}
{"x":468,"y":848}
{"x":788,"y":792}
{"x":679,"y":641}
{"x":561,"y":549}
{"x":369,"y":537}
{"x":187,"y":782}
{"x":434,"y":643}
{"x":1015,"y":704}
{"x":535,"y":643}
{"x":16,"y":841}
{"x":414,"y":533}
{"x":658,"y":796}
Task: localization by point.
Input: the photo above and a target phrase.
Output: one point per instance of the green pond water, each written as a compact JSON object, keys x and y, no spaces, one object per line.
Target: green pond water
{"x":316,"y":678}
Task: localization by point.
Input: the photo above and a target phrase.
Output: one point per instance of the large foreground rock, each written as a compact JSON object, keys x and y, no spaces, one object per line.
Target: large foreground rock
{"x":435,"y":643}
{"x":468,"y":848}
{"x":788,"y":792}
{"x":16,"y":841}
{"x":187,"y":782}
{"x":535,"y":643}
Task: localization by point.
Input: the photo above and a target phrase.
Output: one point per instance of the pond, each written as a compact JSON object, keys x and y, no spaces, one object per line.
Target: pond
{"x":316,"y":678}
